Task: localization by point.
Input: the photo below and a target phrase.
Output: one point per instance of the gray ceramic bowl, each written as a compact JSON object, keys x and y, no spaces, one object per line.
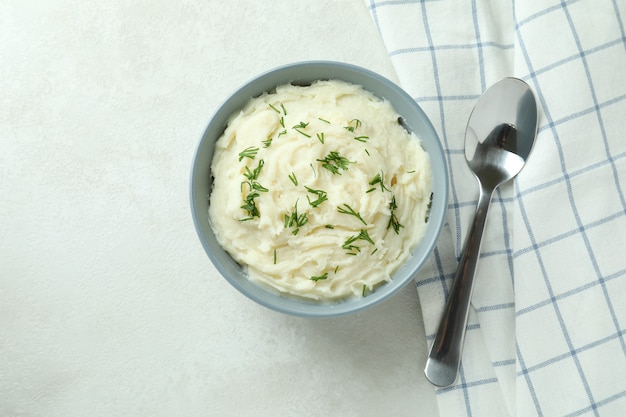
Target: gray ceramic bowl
{"x":301,"y":73}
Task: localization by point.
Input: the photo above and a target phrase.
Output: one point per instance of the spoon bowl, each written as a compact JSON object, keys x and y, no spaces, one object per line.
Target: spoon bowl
{"x":501,"y":131}
{"x":499,"y":137}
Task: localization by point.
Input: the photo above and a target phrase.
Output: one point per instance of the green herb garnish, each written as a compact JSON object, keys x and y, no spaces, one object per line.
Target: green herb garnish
{"x":354,"y":249}
{"x":349,"y":210}
{"x":363,"y":235}
{"x":320,"y":137}
{"x":296,"y":220}
{"x":278,"y":111}
{"x":267,"y":143}
{"x":300,"y":126}
{"x":321,"y":196}
{"x":275,"y":109}
{"x":254,"y":185}
{"x":393,"y":220}
{"x":361,"y":138}
{"x":324,"y":120}
{"x":293,"y":179}
{"x":250,"y":207}
{"x":353,"y":125}
{"x":334,"y":162}
{"x":349,"y":247}
{"x":248,"y":153}
{"x":320,"y":277}
{"x":378,"y":179}
{"x":254,"y":174}
{"x":428,"y":207}
{"x":249,"y":204}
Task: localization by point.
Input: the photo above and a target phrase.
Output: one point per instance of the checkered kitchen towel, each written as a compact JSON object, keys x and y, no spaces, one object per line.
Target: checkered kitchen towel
{"x":546,"y":334}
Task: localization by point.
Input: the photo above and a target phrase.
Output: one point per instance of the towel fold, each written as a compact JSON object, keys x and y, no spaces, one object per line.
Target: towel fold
{"x":546,"y":333}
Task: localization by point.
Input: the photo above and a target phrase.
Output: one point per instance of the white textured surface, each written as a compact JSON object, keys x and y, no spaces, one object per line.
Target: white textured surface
{"x":108,"y":304}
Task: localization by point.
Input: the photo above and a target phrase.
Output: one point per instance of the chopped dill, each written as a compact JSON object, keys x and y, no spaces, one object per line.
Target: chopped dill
{"x":334,"y":162}
{"x":349,"y":210}
{"x":274,"y":108}
{"x":250,"y":207}
{"x":319,"y":277}
{"x":293,"y":179}
{"x":296,"y":220}
{"x":363,"y":235}
{"x":353,"y":249}
{"x":428,"y":207}
{"x":321,"y":196}
{"x":379,"y":179}
{"x":254,"y":185}
{"x":299,"y":126}
{"x":349,"y":247}
{"x":278,"y":111}
{"x":393,"y":220}
{"x":254,"y":174}
{"x":353,"y":125}
{"x":249,"y":204}
{"x":249,"y":152}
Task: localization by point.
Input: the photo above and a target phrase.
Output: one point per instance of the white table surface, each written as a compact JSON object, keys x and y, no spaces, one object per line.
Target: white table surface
{"x":108,"y":304}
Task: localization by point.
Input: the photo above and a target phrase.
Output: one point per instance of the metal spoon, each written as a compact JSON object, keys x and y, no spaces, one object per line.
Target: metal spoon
{"x":498,"y":139}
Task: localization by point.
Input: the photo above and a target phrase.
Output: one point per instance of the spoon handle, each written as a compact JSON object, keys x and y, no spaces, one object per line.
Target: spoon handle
{"x":444,"y":359}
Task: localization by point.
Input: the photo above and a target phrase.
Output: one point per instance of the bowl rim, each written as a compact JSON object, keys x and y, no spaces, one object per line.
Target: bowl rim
{"x":322,"y":309}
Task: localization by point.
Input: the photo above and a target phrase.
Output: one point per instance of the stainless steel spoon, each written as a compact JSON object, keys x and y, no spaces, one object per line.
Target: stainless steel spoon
{"x":498,"y":140}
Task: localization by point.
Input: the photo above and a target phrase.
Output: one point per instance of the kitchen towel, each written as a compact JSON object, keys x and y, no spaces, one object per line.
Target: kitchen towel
{"x":546,"y":331}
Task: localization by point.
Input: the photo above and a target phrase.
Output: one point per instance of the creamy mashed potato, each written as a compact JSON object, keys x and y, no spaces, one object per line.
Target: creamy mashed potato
{"x":318,"y":191}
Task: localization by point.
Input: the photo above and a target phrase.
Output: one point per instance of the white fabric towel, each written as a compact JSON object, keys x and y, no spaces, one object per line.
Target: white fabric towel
{"x":546,"y":334}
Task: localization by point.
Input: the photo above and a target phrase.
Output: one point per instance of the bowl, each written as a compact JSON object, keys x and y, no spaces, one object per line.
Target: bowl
{"x":303,"y":73}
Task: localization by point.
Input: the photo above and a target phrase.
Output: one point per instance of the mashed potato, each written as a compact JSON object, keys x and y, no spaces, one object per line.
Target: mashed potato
{"x":318,"y":191}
